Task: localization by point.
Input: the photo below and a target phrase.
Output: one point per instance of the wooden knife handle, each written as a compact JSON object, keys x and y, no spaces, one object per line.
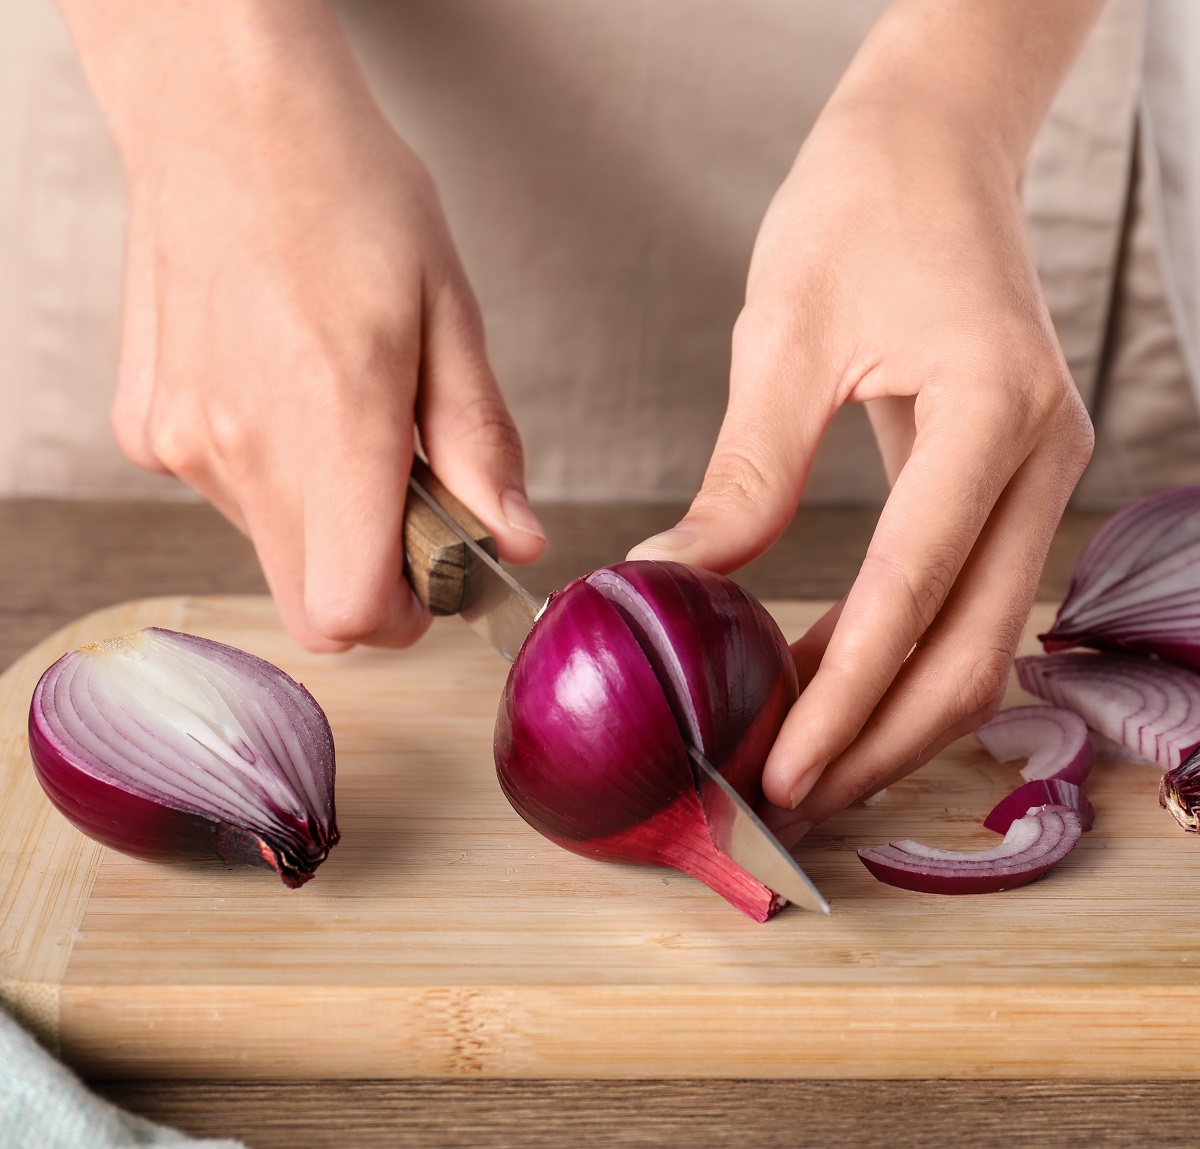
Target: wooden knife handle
{"x":436,"y":562}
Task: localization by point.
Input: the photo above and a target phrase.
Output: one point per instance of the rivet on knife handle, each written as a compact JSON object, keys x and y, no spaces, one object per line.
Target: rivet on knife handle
{"x":440,"y":568}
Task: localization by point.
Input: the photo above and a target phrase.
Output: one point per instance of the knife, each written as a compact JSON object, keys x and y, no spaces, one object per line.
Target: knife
{"x":451,"y":564}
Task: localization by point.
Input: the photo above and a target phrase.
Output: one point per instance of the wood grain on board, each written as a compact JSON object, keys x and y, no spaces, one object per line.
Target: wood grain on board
{"x":445,"y":938}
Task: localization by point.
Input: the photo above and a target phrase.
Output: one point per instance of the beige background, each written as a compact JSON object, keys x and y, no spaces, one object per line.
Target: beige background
{"x":605,"y":165}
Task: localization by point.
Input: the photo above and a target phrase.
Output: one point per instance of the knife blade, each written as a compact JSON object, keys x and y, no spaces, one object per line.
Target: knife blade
{"x":503,"y":612}
{"x":738,"y":832}
{"x":495,"y":605}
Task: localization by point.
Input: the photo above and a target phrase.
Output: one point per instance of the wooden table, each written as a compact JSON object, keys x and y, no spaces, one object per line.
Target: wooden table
{"x":61,"y":560}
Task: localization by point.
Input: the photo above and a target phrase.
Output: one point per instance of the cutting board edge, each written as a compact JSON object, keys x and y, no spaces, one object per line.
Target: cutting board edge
{"x":381,"y":1033}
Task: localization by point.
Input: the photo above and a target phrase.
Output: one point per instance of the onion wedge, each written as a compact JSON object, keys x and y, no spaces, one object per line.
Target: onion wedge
{"x":1136,"y":586}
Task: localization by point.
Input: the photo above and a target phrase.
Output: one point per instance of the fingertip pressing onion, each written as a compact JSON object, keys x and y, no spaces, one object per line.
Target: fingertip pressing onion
{"x":1054,"y":740}
{"x":1136,"y":586}
{"x":1033,"y":796}
{"x":1148,"y":705}
{"x":624,"y":669}
{"x":1032,"y":846}
{"x":176,"y":748}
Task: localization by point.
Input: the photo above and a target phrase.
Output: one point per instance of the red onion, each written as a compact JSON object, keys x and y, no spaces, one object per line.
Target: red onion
{"x":1146,"y":704}
{"x":1055,"y":742}
{"x":1179,"y":793}
{"x":1032,"y":845}
{"x":1033,"y":796}
{"x":1136,"y":586}
{"x":624,"y":669}
{"x":175,"y":748}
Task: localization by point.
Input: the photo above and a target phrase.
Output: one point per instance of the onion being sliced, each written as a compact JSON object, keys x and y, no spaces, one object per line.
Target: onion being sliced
{"x":1148,"y":705}
{"x":624,"y":669}
{"x":1033,"y":796}
{"x":175,"y":748}
{"x":1032,"y":845}
{"x":1136,"y":586}
{"x":1055,"y":741}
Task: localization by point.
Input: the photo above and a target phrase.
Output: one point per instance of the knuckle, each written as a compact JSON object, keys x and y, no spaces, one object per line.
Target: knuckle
{"x":923,"y":590}
{"x":348,"y":615}
{"x":985,"y":682}
{"x":177,"y":445}
{"x":485,"y":419}
{"x":735,"y":480}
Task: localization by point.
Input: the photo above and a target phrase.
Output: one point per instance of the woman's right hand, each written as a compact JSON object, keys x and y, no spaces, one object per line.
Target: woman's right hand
{"x":293,"y":306}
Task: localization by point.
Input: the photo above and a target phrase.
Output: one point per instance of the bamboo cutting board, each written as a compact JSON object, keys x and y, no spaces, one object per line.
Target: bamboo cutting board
{"x":444,"y":937}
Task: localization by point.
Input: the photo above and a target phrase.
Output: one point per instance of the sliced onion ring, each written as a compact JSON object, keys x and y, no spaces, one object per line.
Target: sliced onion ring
{"x":1033,"y":796}
{"x":1054,"y":740}
{"x":1032,"y":845}
{"x":1148,"y":705}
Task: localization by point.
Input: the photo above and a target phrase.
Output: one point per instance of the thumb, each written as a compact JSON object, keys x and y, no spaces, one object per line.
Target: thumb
{"x":753,"y":482}
{"x":467,"y":431}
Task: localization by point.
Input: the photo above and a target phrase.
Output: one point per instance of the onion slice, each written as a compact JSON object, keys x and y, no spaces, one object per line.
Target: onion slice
{"x":1145,"y":704}
{"x":1136,"y":586}
{"x":1054,"y":740}
{"x":173,"y":747}
{"x":1035,"y":795}
{"x":1032,"y":845}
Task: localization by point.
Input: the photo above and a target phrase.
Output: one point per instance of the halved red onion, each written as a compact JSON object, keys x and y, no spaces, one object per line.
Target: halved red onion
{"x":1179,"y":793}
{"x":1055,"y":741}
{"x":1033,"y":796}
{"x":1032,"y":845}
{"x":172,"y":747}
{"x":1136,"y":586}
{"x":1146,"y":704}
{"x":623,"y":669}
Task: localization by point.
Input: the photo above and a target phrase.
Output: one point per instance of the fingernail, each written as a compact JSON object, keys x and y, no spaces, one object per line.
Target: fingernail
{"x":520,"y":514}
{"x":668,"y":543}
{"x":806,"y":781}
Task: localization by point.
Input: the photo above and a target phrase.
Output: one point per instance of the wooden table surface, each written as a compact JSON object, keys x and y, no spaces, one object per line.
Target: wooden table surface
{"x":61,"y":560}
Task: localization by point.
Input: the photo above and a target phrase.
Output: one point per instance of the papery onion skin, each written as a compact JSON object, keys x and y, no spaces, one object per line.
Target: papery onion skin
{"x":152,"y":828}
{"x":1035,"y":795}
{"x":1136,"y":586}
{"x":588,"y":741}
{"x":912,"y":866}
{"x":1179,"y":793}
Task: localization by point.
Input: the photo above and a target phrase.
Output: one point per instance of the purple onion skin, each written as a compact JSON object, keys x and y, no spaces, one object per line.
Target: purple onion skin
{"x":142,"y":828}
{"x":738,"y":667}
{"x":136,"y":826}
{"x":589,"y":748}
{"x":582,"y":708}
{"x":1154,"y":526}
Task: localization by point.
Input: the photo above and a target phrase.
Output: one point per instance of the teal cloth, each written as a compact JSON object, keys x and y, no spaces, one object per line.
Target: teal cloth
{"x":43,"y":1105}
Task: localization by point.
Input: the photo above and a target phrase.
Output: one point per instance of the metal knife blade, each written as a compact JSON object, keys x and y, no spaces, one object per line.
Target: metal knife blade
{"x":738,"y":831}
{"x":500,"y":609}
